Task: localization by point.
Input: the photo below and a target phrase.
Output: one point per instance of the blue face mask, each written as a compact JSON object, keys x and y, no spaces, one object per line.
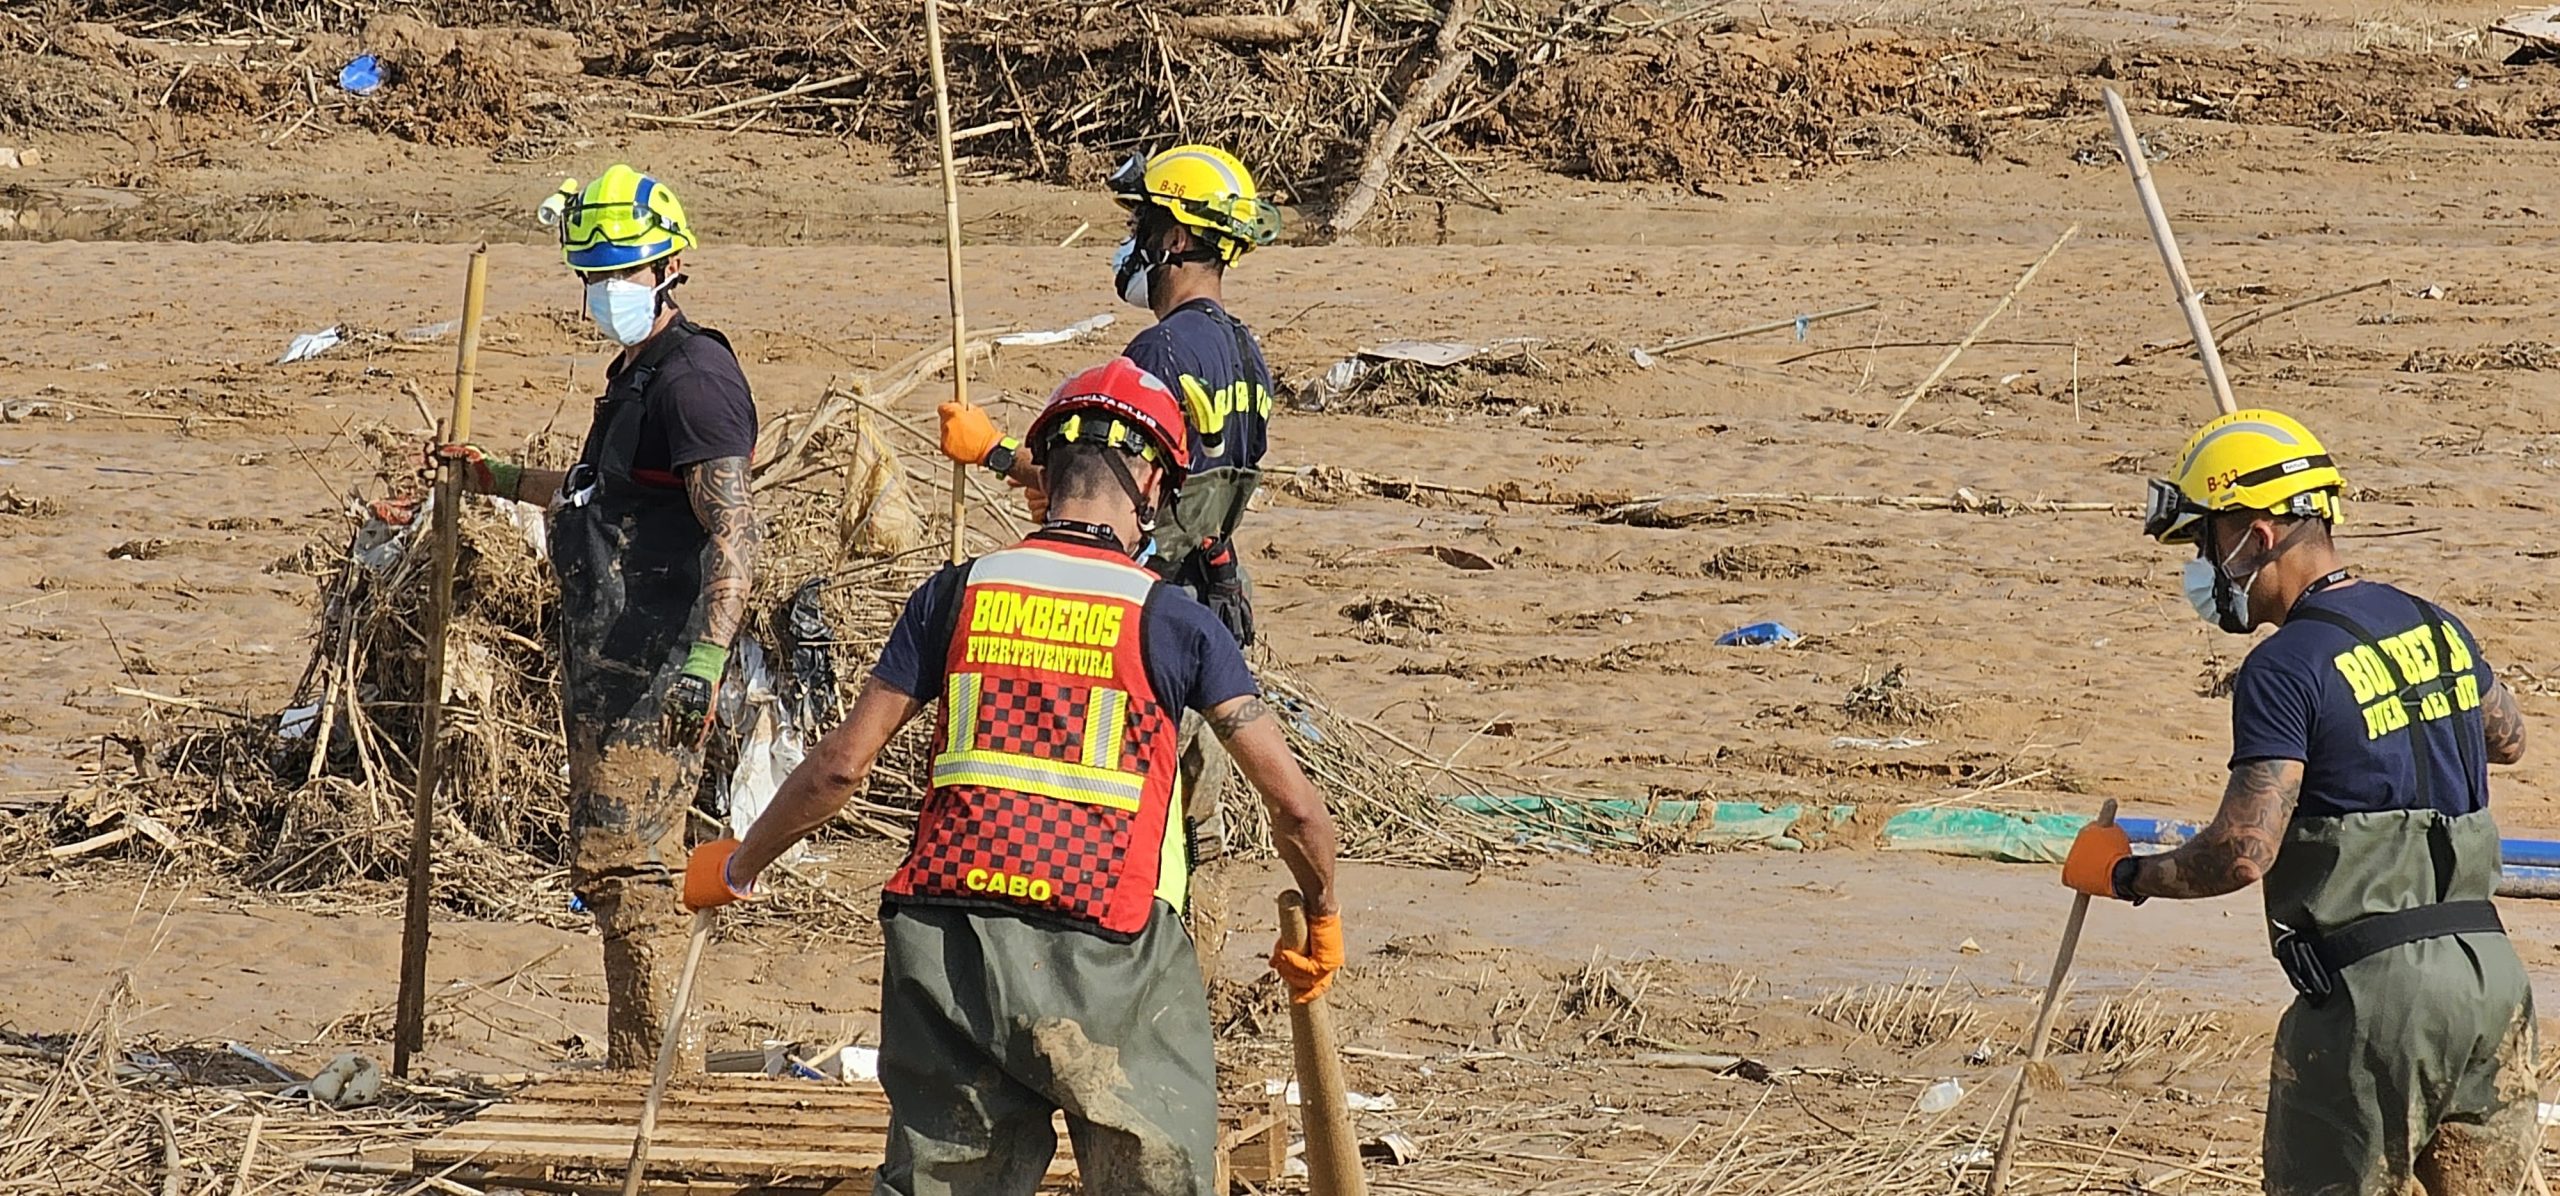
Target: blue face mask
{"x":625,"y":310}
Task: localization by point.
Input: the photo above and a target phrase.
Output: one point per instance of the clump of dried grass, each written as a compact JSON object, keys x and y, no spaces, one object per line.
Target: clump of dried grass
{"x":2514,"y":355}
{"x":2136,"y":1029}
{"x":93,"y":1112}
{"x":1889,"y":700}
{"x":1611,"y":998}
{"x":1913,"y":1015}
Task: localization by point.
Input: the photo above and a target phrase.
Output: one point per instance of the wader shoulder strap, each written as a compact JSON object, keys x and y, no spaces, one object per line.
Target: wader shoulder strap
{"x":2407,"y":696}
{"x":2468,"y":746}
{"x":616,"y":441}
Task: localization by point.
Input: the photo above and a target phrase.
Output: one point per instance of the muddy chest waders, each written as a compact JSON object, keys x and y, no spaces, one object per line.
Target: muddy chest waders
{"x":631,"y":558}
{"x":2410,"y":1047}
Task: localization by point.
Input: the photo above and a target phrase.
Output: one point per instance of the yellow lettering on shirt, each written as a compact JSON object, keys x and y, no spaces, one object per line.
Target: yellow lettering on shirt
{"x":2418,"y":660}
{"x":2365,"y":672}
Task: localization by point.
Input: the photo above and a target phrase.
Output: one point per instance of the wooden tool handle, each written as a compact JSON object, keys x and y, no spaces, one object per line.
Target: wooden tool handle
{"x":1333,"y":1155}
{"x":2043,"y":1031}
{"x":668,"y":1042}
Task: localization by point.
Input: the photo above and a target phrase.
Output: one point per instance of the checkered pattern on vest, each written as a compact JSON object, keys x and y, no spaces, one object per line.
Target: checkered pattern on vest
{"x":1053,"y":786}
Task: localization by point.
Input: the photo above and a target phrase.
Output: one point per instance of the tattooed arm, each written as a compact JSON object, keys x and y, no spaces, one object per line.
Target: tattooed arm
{"x":719,"y":491}
{"x":2235,"y":850}
{"x":2504,"y":724}
{"x":1301,"y":828}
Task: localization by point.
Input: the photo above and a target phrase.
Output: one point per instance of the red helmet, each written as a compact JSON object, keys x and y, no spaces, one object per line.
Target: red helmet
{"x":1119,"y":403}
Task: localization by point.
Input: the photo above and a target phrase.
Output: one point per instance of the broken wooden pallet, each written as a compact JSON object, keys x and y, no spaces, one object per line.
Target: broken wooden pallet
{"x":732,"y":1128}
{"x":752,"y":1131}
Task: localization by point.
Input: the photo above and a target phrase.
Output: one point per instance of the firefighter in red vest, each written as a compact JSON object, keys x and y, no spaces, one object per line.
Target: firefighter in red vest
{"x":1036,"y":957}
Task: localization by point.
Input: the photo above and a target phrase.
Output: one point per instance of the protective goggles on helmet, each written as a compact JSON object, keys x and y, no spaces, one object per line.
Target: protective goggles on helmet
{"x":1095,"y":427}
{"x":1130,"y":181}
{"x":2168,"y":506}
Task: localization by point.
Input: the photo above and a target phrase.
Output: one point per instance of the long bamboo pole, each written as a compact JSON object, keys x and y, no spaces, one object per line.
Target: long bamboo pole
{"x":2189,"y":302}
{"x":409,"y":1024}
{"x":951,"y":259}
{"x":1970,"y":337}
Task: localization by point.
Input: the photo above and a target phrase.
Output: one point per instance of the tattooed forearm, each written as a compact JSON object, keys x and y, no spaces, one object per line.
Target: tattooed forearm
{"x":2503,"y":723}
{"x":1250,"y":711}
{"x":2235,"y":850}
{"x":719,"y":491}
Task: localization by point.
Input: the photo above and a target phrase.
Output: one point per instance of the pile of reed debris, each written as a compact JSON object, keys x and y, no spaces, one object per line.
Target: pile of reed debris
{"x":315,"y":800}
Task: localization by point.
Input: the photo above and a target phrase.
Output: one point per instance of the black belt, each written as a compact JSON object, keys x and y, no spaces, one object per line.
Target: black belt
{"x":2312,"y":964}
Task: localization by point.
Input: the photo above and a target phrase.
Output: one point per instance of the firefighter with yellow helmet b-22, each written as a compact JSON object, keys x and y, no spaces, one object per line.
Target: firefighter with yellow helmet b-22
{"x":654,"y":541}
{"x":2362,"y":732}
{"x":1193,"y":211}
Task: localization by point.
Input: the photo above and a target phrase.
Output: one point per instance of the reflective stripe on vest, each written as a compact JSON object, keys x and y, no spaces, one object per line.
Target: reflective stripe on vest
{"x":1054,"y":770}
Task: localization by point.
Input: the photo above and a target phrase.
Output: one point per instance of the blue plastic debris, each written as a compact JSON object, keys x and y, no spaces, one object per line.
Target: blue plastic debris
{"x":361,"y":76}
{"x":1754,"y":635}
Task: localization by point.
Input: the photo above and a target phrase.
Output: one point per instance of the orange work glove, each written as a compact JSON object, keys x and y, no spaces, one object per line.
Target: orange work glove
{"x":1308,"y":974}
{"x":706,"y":877}
{"x":2091,"y":866}
{"x":968,"y":433}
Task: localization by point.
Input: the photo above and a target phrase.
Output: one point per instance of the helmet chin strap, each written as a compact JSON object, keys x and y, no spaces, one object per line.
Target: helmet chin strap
{"x":1129,"y":483}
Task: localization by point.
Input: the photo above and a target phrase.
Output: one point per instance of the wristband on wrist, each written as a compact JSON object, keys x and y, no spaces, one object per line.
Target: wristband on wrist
{"x":1001,"y":457}
{"x":727,"y":879}
{"x":706,"y":660}
{"x":2123,"y":876}
{"x":506,"y":479}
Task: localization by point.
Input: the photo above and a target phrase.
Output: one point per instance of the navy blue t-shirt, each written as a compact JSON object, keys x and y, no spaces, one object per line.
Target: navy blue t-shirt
{"x":2313,"y":692}
{"x":1192,"y":661}
{"x":700,"y":409}
{"x":1216,"y":368}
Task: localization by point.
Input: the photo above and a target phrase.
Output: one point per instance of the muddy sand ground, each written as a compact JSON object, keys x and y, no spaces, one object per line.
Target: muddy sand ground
{"x":2046,"y":654}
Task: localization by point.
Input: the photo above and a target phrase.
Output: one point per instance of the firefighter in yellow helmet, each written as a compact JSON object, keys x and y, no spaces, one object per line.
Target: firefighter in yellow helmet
{"x":1193,"y":211}
{"x":654,"y":539}
{"x":2362,"y":732}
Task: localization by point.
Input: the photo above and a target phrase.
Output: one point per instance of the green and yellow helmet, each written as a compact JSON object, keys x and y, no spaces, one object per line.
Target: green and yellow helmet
{"x":623,"y":219}
{"x":1206,"y":188}
{"x":2255,"y":460}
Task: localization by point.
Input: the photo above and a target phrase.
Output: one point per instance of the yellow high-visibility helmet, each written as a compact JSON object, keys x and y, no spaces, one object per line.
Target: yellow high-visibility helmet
{"x":623,"y":219}
{"x":1206,"y":188}
{"x":2256,"y":460}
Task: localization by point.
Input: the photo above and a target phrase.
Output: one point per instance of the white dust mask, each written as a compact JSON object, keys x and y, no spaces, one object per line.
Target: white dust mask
{"x":624,"y":310}
{"x":1129,"y":271}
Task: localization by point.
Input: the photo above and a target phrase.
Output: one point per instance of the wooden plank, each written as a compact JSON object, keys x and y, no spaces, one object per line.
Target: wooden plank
{"x":603,"y":1137}
{"x":710,"y":1120}
{"x":816,"y":1118}
{"x":789,"y":1094}
{"x":701,"y":1161}
{"x":697,"y":1162}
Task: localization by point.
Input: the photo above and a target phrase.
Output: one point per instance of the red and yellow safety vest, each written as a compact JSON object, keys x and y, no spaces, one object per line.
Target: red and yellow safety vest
{"x":1054,"y":773}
